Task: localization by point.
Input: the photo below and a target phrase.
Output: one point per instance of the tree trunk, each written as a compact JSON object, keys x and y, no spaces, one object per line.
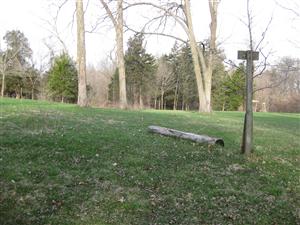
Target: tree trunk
{"x":118,"y":25}
{"x":141,"y":99}
{"x":176,"y":96}
{"x":185,"y":135}
{"x":32,"y":93}
{"x":196,"y":55}
{"x":203,"y":67}
{"x":162,"y":100}
{"x":113,"y":94}
{"x":213,"y":8}
{"x":3,"y":85}
{"x":247,"y":142}
{"x":155,"y":100}
{"x":81,"y":55}
{"x":121,"y":66}
{"x":174,"y":103}
{"x":120,"y":55}
{"x":207,"y":85}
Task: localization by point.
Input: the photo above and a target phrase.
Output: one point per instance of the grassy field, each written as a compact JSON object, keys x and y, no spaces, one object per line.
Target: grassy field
{"x":61,"y":164}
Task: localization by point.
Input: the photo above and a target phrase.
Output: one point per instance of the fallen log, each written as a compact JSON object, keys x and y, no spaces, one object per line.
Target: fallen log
{"x":185,"y":135}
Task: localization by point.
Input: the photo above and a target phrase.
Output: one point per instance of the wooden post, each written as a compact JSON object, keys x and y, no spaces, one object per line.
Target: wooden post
{"x":250,"y":56}
{"x":255,"y":105}
{"x":264,"y":108}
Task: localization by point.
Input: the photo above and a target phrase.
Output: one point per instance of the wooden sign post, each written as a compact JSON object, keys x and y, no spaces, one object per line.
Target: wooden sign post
{"x":250,"y":56}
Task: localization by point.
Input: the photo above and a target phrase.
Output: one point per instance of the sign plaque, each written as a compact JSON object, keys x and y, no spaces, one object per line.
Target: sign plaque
{"x":245,"y":54}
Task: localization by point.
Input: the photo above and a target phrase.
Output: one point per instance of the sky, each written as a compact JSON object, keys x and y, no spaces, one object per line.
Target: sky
{"x":32,"y":17}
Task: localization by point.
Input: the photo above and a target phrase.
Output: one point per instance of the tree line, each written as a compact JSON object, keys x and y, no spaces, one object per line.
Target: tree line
{"x":204,"y":57}
{"x":192,"y":76}
{"x":166,"y":82}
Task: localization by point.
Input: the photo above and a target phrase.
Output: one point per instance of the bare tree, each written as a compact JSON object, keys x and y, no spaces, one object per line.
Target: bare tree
{"x":251,"y":55}
{"x":117,"y":20}
{"x":202,"y":65}
{"x":98,"y":80}
{"x":6,"y":60}
{"x":293,"y":7}
{"x":33,"y":77}
{"x":277,"y":88}
{"x":81,"y":55}
{"x":51,"y":24}
{"x":164,"y":82}
{"x":260,"y":69}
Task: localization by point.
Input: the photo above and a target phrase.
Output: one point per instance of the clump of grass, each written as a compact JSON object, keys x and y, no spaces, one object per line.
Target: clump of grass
{"x":61,"y":164}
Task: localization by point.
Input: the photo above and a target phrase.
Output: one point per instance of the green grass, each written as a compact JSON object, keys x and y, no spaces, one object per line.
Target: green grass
{"x":61,"y":164}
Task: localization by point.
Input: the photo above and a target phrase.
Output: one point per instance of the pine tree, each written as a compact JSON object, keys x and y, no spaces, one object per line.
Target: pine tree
{"x":13,"y":63}
{"x":218,"y":88}
{"x":62,"y":79}
{"x":229,"y":95}
{"x":140,"y":68}
{"x":189,"y":86}
{"x":174,"y":61}
{"x":180,"y":89}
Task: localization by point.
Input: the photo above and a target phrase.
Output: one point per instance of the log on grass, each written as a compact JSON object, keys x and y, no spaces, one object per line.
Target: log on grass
{"x":185,"y":135}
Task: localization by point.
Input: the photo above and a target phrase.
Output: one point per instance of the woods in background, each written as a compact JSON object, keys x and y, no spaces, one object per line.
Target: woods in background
{"x":166,"y":82}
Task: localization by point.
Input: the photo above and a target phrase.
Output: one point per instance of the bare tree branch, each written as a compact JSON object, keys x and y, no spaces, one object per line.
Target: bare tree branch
{"x":263,"y":35}
{"x":289,"y":9}
{"x":53,"y":24}
{"x":285,"y":73}
{"x":167,"y":12}
{"x":109,"y":13}
{"x":263,"y":65}
{"x":156,"y":33}
{"x":271,"y":85}
{"x":249,"y":25}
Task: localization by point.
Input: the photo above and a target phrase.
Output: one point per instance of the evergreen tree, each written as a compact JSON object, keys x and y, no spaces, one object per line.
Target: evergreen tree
{"x":218,"y":88}
{"x":14,"y":62}
{"x":174,"y":61}
{"x":230,"y":94}
{"x":189,"y":85}
{"x":62,"y":79}
{"x":140,"y":67}
{"x":184,"y":91}
{"x":18,"y":44}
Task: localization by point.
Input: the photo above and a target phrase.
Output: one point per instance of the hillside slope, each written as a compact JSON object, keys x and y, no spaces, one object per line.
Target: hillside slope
{"x":61,"y":164}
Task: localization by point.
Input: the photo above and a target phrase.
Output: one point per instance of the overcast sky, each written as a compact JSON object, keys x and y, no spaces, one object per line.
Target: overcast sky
{"x":28,"y":16}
